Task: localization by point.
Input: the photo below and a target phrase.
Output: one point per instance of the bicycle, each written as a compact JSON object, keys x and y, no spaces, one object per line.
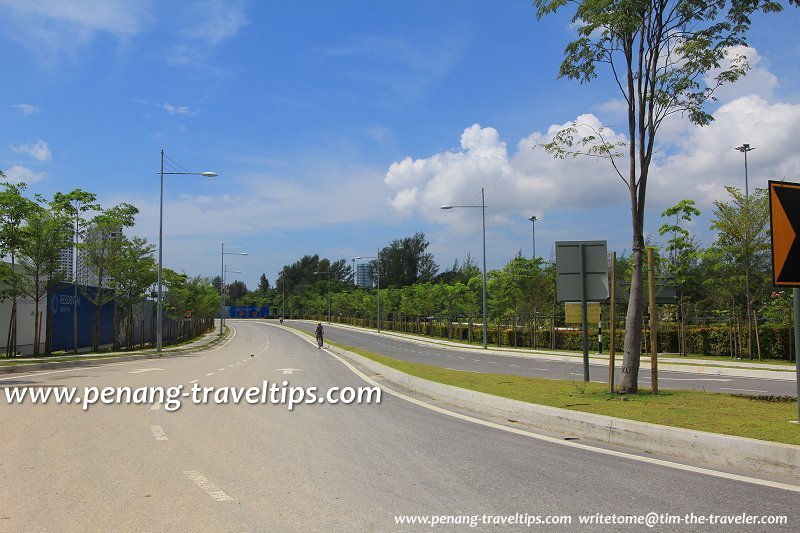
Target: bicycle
{"x":319,"y":340}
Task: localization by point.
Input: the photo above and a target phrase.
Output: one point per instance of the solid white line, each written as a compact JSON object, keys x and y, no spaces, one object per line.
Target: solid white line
{"x":573,"y":444}
{"x":210,"y":489}
{"x":158,"y":433}
{"x":745,"y":390}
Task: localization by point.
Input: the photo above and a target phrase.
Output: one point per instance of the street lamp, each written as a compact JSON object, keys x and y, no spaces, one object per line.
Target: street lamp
{"x":159,"y":324}
{"x":533,"y":219}
{"x":222,"y":254}
{"x":483,"y":215}
{"x":328,"y":272}
{"x":378,"y":268}
{"x":744,"y":148}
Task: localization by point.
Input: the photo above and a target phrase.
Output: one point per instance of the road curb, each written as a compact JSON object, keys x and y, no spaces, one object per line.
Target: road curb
{"x":207,"y":340}
{"x":711,"y":448}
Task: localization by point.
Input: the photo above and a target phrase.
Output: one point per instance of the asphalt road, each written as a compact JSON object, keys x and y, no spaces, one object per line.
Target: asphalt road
{"x":476,"y":360}
{"x":319,"y":467}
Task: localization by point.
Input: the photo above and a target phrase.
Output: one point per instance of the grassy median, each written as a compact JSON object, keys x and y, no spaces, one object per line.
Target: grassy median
{"x":703,"y":411}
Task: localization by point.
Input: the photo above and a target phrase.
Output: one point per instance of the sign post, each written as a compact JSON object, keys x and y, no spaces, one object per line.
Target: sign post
{"x":784,"y":223}
{"x":582,"y":275}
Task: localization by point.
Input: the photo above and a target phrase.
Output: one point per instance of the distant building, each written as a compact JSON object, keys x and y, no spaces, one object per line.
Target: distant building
{"x":66,"y":257}
{"x":85,"y":274}
{"x":365,"y":276}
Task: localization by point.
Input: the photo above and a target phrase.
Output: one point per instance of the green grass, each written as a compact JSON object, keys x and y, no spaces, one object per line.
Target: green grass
{"x":703,"y":411}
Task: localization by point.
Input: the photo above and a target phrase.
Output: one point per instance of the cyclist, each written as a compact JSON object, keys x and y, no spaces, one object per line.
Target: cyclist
{"x":319,"y":333}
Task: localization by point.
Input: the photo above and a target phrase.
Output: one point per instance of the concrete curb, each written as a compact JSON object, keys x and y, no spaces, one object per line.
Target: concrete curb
{"x":711,"y":448}
{"x":203,"y":342}
{"x":733,"y":371}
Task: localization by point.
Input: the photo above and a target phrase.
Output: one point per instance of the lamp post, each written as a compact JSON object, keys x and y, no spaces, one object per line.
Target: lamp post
{"x":283,"y":286}
{"x":483,"y":217}
{"x":533,"y":219}
{"x":328,"y":272}
{"x":378,"y":277}
{"x":744,"y":148}
{"x":222,"y":254}
{"x":159,"y":324}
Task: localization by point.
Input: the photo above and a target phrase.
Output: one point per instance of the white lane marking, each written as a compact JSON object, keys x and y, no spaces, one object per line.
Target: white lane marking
{"x":210,"y":374}
{"x":515,"y":366}
{"x":745,"y":390}
{"x":156,"y":406}
{"x":693,"y":379}
{"x":142,"y":370}
{"x":289,"y":370}
{"x":194,"y":381}
{"x":210,"y":489}
{"x":158,"y":433}
{"x":573,"y":444}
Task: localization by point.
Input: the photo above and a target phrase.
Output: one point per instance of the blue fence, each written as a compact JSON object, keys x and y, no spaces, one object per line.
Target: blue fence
{"x":246,"y":311}
{"x":61,"y":304}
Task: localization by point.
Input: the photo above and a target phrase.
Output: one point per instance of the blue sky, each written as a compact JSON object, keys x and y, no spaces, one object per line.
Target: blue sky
{"x":337,"y":127}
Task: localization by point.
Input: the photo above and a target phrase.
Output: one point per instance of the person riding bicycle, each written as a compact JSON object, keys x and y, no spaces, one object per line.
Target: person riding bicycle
{"x":319,"y":332}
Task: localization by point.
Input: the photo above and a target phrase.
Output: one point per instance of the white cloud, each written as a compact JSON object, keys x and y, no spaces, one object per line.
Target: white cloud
{"x":759,"y":81}
{"x":176,"y":110}
{"x":27,"y":109}
{"x":54,"y":27}
{"x":38,"y":150}
{"x":20,"y":174}
{"x":209,"y":24}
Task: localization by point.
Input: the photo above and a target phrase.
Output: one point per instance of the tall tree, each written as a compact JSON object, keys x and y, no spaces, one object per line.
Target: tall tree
{"x":45,"y":234}
{"x":666,"y":57}
{"x":134,"y":271}
{"x":14,"y":208}
{"x":743,"y":226}
{"x":407,"y":261}
{"x":263,"y":285}
{"x":684,"y":253}
{"x":101,"y":249}
{"x":75,"y":204}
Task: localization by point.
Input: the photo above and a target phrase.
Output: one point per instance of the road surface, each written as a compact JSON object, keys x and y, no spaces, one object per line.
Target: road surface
{"x":318,"y":467}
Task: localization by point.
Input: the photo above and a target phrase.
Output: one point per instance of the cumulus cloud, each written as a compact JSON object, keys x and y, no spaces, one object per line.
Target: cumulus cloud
{"x":27,"y":109}
{"x":38,"y":150}
{"x":20,"y":174}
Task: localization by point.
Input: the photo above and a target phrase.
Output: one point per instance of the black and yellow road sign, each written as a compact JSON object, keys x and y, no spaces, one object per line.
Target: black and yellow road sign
{"x":784,"y":218}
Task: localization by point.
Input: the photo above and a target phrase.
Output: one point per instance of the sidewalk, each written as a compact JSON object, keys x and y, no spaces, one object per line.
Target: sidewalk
{"x":723,"y":367}
{"x":84,"y":359}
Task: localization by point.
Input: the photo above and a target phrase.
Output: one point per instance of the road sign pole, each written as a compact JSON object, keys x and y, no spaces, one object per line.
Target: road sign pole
{"x":613,"y":319}
{"x":796,"y":298}
{"x":584,"y":319}
{"x":651,"y":289}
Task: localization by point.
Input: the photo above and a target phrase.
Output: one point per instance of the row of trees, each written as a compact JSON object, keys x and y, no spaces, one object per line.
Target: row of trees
{"x":711,"y":282}
{"x":35,"y":234}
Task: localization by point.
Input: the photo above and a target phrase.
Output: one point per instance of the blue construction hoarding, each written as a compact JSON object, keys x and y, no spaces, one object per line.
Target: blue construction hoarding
{"x":61,"y":304}
{"x":247,"y":311}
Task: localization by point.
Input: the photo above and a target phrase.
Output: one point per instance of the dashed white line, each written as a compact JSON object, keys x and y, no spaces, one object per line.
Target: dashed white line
{"x":515,"y":366}
{"x":210,"y":489}
{"x":158,"y":433}
{"x":220,"y":369}
{"x":210,"y":374}
{"x":156,"y":406}
{"x":194,"y":381}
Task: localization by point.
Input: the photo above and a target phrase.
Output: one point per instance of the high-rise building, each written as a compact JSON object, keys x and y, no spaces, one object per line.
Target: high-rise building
{"x":365,"y":276}
{"x":86,"y":275}
{"x":66,"y":257}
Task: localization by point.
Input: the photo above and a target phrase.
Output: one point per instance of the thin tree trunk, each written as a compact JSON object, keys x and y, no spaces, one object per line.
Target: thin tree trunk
{"x":633,"y":324}
{"x":758,"y":339}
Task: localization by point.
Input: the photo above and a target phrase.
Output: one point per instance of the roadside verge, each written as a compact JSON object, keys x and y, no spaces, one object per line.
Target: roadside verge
{"x":206,"y":341}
